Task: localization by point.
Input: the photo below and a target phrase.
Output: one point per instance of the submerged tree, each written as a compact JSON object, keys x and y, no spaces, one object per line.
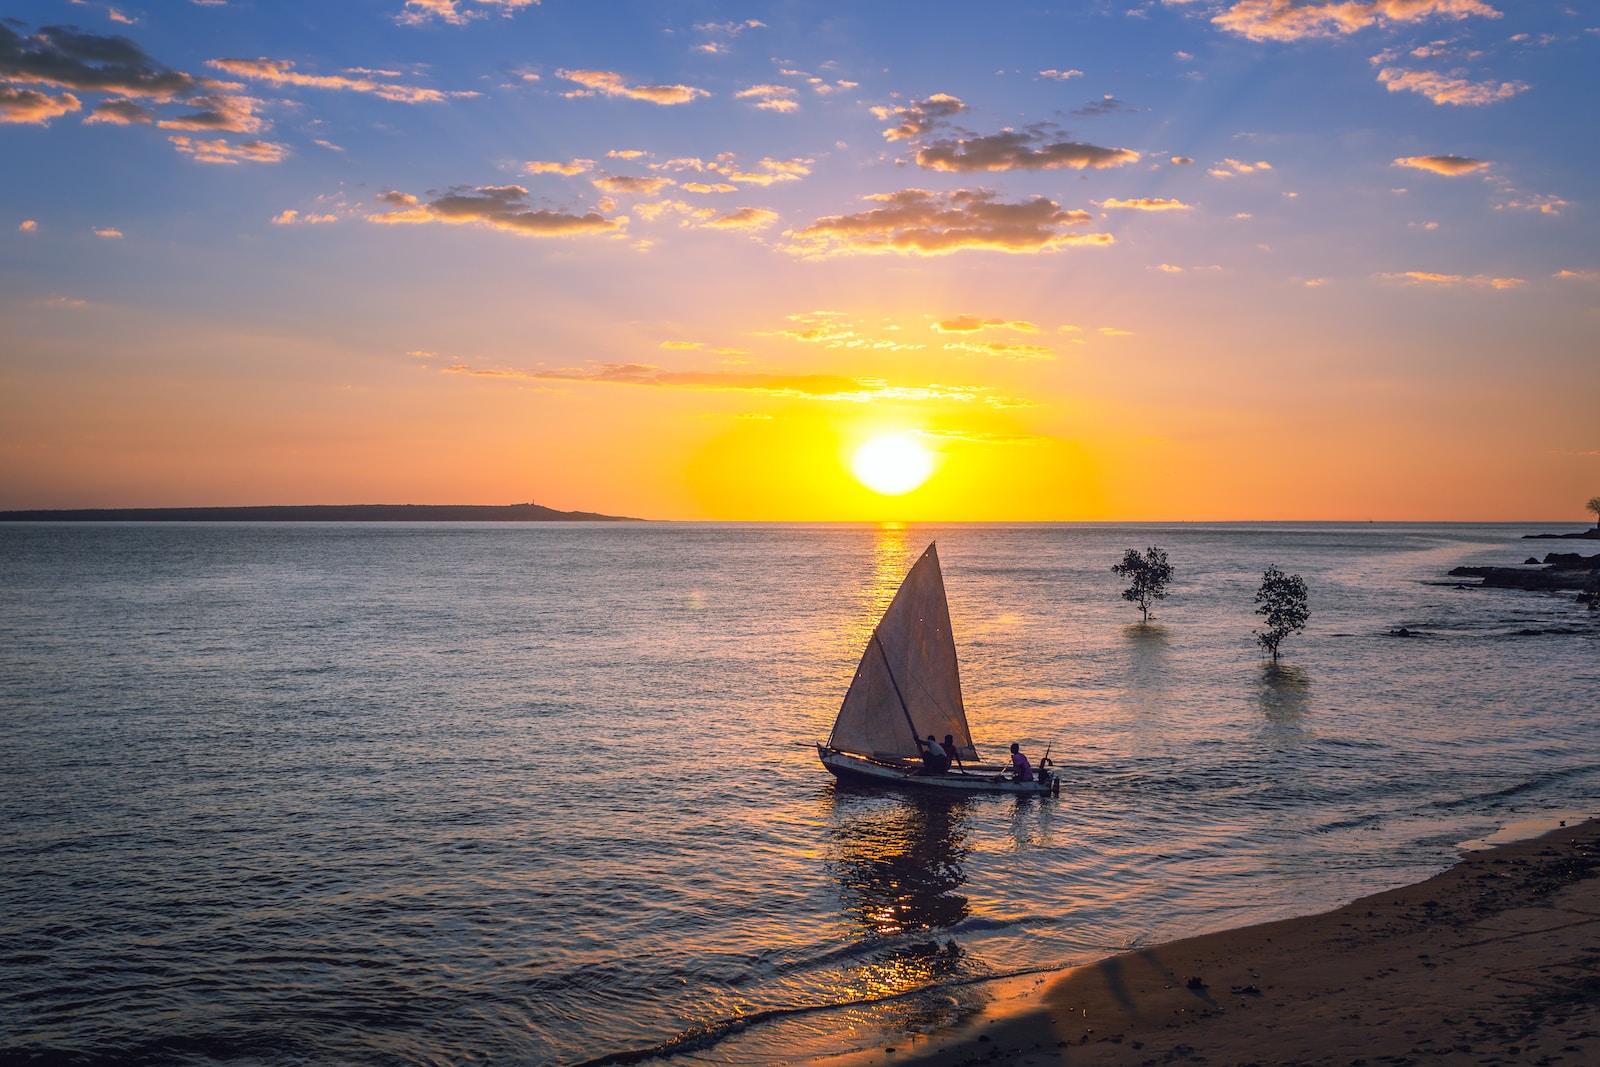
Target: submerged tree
{"x":1594,"y":506}
{"x":1149,"y":573}
{"x":1282,"y":600}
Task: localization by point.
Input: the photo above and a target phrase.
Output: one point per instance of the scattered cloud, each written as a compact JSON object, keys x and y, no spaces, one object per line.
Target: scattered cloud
{"x":31,"y":107}
{"x":745,"y":218}
{"x":834,"y":329}
{"x":680,"y":344}
{"x":108,"y":232}
{"x":1568,"y":275}
{"x":1168,"y":268}
{"x":1004,"y":349}
{"x":625,"y":185}
{"x":1228,"y":168}
{"x":1430,"y":278}
{"x":500,"y":207}
{"x":919,"y":222}
{"x":1446,"y":165}
{"x":1294,"y":20}
{"x":291,"y":217}
{"x":1011,"y":150}
{"x":1060,"y":75}
{"x":1544,"y":205}
{"x":222,"y":113}
{"x":282,"y":72}
{"x":569,"y":168}
{"x":418,"y":12}
{"x":222,"y":151}
{"x":1181,"y":161}
{"x":972,"y":324}
{"x":1448,"y":89}
{"x":1146,"y":203}
{"x":702,"y":187}
{"x":770,"y":97}
{"x":1103,"y":106}
{"x":63,"y":57}
{"x":608,"y":83}
{"x":120,"y":111}
{"x":919,"y":116}
{"x":1112,"y":331}
{"x":29,"y":225}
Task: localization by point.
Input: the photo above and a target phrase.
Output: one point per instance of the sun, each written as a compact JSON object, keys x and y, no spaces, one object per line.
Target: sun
{"x":892,"y":464}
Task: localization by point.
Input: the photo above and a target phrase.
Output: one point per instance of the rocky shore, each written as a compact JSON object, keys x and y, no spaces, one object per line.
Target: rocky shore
{"x":1558,"y":571}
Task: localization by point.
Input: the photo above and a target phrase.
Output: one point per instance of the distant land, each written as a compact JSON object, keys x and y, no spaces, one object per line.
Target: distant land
{"x":321,"y":513}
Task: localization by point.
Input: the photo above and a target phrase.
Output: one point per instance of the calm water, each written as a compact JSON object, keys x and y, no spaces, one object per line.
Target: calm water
{"x":540,"y":794}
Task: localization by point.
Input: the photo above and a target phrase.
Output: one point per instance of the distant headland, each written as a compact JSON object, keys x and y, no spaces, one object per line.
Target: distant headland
{"x":321,"y":513}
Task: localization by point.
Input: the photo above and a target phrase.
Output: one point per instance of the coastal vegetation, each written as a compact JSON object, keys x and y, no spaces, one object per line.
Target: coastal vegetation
{"x":1150,"y":575}
{"x":1594,"y":506}
{"x":1282,"y":601}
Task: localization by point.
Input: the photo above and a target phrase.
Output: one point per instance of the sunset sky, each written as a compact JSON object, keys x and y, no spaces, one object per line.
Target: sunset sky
{"x":1209,"y":259}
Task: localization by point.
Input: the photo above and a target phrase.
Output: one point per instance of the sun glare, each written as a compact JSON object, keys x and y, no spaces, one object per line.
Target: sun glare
{"x":892,"y":464}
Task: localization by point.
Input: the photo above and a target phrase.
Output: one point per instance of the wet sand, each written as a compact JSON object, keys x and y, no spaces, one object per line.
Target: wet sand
{"x":1495,"y":961}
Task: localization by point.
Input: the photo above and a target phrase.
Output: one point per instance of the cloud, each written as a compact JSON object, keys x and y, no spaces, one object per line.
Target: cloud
{"x":745,"y":218}
{"x":1181,"y":161}
{"x":29,"y":225}
{"x":1168,"y":268}
{"x":1060,"y":75}
{"x":291,"y":217}
{"x":1010,"y":150}
{"x":624,"y":185}
{"x":1104,"y":106}
{"x":1004,"y":349}
{"x":221,"y":151}
{"x":608,"y":83}
{"x":222,"y":113}
{"x":108,"y":232}
{"x":31,"y":107}
{"x":61,"y":56}
{"x":1146,"y":203}
{"x":680,"y":344}
{"x":919,"y":116}
{"x":770,"y":97}
{"x":1294,"y":20}
{"x":417,"y":12}
{"x":120,"y":111}
{"x":1447,"y":165}
{"x":501,"y":207}
{"x":972,"y":324}
{"x":834,"y":329}
{"x":919,"y":222}
{"x":1569,"y":275}
{"x":1230,"y":167}
{"x":569,"y":168}
{"x":1447,"y":89}
{"x":282,"y":72}
{"x":1544,"y":205}
{"x":702,"y":187}
{"x":626,"y":153}
{"x":1430,"y":278}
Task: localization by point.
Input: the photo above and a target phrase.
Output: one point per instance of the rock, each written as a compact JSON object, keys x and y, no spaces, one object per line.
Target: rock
{"x":1529,"y":561}
{"x":1572,"y":561}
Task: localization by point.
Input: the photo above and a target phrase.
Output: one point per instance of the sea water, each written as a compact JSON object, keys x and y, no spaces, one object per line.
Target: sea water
{"x":545,"y":794}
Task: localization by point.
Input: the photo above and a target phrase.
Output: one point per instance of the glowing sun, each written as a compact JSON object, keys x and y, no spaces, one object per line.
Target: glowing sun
{"x":892,"y":464}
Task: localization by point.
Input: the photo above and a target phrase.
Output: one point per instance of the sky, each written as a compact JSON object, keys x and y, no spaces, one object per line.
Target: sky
{"x":1168,"y":260}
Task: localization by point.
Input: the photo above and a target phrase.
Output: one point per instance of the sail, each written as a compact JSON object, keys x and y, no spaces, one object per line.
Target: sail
{"x":907,"y":684}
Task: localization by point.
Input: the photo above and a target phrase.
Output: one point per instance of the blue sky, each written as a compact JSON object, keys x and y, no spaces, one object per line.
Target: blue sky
{"x":680,"y":259}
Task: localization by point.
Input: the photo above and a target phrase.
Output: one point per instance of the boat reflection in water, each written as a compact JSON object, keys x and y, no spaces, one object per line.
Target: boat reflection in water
{"x":898,"y":859}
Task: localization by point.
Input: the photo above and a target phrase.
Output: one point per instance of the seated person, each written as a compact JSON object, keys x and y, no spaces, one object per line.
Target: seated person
{"x":934,"y":758}
{"x":1021,"y":768}
{"x":952,"y":749}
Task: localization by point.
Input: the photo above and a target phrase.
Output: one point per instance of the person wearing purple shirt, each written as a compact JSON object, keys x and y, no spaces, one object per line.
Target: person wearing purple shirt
{"x":1019,"y":764}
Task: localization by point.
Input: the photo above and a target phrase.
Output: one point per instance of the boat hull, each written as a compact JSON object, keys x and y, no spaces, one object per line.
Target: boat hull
{"x":861,"y":769}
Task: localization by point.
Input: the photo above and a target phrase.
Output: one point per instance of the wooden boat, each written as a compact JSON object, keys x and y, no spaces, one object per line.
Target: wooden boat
{"x":908,"y":686}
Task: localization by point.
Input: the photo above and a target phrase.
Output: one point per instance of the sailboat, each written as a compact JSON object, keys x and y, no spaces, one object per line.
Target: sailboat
{"x":908,"y":686}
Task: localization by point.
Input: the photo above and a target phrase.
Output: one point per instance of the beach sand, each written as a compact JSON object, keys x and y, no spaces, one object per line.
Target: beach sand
{"x":1495,"y":961}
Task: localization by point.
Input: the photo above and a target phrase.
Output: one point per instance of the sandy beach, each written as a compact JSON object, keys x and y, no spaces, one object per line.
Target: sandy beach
{"x":1495,"y":961}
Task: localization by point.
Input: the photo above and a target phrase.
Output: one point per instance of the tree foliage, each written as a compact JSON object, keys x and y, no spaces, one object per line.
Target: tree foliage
{"x":1282,"y":601}
{"x":1149,"y":573}
{"x":1594,"y":506}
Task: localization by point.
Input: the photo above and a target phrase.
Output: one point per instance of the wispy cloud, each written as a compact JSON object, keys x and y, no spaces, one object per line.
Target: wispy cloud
{"x":108,"y":232}
{"x":1448,"y":88}
{"x":919,"y":222}
{"x":222,"y":151}
{"x":292,"y":217}
{"x":1146,"y":203}
{"x":500,"y":207}
{"x":1229,"y":168}
{"x":63,"y":57}
{"x":609,"y":83}
{"x":770,"y":97}
{"x":418,"y":12}
{"x":1060,"y":75}
{"x":569,"y":168}
{"x":1430,"y":278}
{"x":629,"y":185}
{"x":972,"y":324}
{"x":744,"y":218}
{"x":918,"y":117}
{"x":1544,"y":205}
{"x":1013,"y":150}
{"x":282,"y":72}
{"x":835,"y":329}
{"x":221,"y":113}
{"x":1449,"y":166}
{"x":1003,"y":349}
{"x":1294,"y":20}
{"x":31,"y":107}
{"x":120,"y":111}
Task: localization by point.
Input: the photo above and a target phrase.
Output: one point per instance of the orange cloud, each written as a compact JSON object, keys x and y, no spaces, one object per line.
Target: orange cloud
{"x":1294,"y":20}
{"x":919,"y":222}
{"x":608,"y":83}
{"x":1445,"y":89}
{"x":221,"y":151}
{"x":1004,"y":349}
{"x":919,"y":116}
{"x":417,"y":12}
{"x":770,"y":97}
{"x":625,"y":185}
{"x":108,"y":232}
{"x":225,"y":113}
{"x":1545,"y":205}
{"x":29,"y":225}
{"x":30,"y":107}
{"x":569,"y":168}
{"x":745,"y":218}
{"x":56,"y":56}
{"x":500,"y":207}
{"x":1146,"y":203}
{"x":1447,"y":165}
{"x":1430,"y":278}
{"x":1009,"y":150}
{"x":702,"y":187}
{"x":282,"y":72}
{"x":972,"y":324}
{"x":290,"y":217}
{"x":120,"y":112}
{"x":1230,"y":167}
{"x":833,"y":329}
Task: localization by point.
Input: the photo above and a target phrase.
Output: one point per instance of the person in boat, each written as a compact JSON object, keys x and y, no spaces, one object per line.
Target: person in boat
{"x":1021,"y":769}
{"x":935,"y":760}
{"x":951,"y":749}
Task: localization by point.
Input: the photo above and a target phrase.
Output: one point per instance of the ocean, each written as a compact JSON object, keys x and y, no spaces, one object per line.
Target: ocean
{"x":546,"y":793}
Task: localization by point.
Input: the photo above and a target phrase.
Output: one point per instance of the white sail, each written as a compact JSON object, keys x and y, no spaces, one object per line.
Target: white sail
{"x":907,"y":684}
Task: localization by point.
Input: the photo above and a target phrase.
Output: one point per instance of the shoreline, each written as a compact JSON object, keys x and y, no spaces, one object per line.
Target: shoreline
{"x":1495,"y":960}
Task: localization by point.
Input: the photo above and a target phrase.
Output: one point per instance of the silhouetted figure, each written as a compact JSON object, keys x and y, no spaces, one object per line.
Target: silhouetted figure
{"x":1020,"y":766}
{"x":951,"y":749}
{"x":934,"y":760}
